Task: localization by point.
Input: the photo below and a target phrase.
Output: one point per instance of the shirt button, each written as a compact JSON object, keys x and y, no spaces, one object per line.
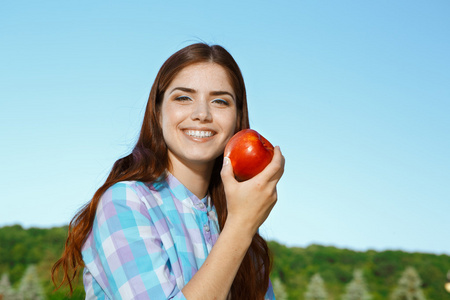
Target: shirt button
{"x":206,"y":227}
{"x":201,"y":205}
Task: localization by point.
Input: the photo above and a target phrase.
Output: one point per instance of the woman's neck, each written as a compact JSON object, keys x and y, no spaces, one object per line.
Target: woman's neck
{"x":195,"y":178}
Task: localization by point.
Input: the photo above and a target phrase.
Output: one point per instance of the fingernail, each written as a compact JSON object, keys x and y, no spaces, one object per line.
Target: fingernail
{"x":226,"y":161}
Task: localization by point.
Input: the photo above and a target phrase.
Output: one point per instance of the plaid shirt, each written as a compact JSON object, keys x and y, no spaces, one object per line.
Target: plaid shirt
{"x":148,"y":241}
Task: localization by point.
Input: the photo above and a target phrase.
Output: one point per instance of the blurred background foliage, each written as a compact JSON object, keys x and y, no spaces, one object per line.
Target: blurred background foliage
{"x":334,"y":272}
{"x":381,"y":270}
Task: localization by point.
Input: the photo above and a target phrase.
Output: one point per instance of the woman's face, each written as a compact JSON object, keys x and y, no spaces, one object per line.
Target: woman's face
{"x":198,"y":115}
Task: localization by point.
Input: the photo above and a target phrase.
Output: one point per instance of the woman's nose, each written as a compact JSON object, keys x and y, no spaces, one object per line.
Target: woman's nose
{"x":202,"y":112}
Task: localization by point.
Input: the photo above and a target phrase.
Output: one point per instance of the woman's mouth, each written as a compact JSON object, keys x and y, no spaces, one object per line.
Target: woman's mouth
{"x":199,"y":133}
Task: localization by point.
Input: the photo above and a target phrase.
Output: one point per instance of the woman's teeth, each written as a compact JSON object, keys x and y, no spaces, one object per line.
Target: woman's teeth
{"x":199,"y":133}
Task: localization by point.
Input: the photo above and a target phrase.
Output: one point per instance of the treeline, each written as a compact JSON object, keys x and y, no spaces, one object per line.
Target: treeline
{"x":314,"y":272}
{"x":297,"y":270}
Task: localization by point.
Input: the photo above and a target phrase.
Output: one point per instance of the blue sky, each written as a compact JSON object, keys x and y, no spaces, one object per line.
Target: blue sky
{"x":356,"y":93}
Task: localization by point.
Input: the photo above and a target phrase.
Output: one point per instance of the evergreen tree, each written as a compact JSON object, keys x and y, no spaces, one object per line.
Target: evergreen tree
{"x":6,"y":291}
{"x":316,"y":289}
{"x":409,"y":286}
{"x":279,"y":290}
{"x":356,"y":289}
{"x":30,"y":287}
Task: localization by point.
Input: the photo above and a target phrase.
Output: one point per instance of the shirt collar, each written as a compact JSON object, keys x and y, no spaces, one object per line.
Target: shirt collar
{"x":183,"y":194}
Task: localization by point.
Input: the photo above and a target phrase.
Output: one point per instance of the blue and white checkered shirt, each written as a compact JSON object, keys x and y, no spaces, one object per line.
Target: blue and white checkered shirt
{"x":148,"y":241}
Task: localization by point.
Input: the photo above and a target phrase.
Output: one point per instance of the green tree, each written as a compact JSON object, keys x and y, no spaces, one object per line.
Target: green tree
{"x":279,"y":290}
{"x":409,"y":286}
{"x":316,"y":289}
{"x":30,"y":287}
{"x":357,"y":288}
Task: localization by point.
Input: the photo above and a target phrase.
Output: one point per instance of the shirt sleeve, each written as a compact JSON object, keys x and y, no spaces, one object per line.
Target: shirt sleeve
{"x":129,"y":256}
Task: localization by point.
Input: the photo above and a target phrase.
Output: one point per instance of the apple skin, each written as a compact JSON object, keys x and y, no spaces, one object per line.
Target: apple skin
{"x":249,"y":153}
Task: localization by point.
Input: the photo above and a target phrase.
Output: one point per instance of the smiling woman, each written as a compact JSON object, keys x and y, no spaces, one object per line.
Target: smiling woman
{"x":196,"y":123}
{"x":171,"y":221}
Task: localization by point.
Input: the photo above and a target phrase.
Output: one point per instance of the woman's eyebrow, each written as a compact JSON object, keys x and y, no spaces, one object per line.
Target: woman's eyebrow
{"x":219,"y":93}
{"x":183,"y":89}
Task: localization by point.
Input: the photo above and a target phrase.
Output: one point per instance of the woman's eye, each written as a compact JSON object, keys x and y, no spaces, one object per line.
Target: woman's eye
{"x":221,"y":102}
{"x":183,"y":98}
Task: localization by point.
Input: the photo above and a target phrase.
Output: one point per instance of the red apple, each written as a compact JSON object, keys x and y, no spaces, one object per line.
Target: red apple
{"x":249,"y":153}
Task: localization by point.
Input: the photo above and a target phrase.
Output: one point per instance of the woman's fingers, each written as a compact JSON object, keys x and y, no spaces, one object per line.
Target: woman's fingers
{"x":275,"y":169}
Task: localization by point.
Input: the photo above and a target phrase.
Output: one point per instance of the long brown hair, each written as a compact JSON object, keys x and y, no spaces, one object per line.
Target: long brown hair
{"x":149,"y":160}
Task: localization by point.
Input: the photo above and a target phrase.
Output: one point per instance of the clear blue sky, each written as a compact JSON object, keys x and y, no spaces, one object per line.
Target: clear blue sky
{"x":356,"y":93}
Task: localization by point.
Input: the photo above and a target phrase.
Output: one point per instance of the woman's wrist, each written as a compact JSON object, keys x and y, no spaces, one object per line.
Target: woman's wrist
{"x":242,"y":229}
{"x":217,"y":273}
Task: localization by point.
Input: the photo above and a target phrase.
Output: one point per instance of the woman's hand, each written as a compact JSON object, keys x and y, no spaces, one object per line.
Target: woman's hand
{"x":249,"y":202}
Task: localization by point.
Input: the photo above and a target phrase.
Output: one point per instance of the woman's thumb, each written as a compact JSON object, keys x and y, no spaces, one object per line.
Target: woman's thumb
{"x":227,"y":170}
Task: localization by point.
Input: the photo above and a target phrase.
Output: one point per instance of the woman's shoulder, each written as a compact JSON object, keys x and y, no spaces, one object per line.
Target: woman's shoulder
{"x":131,"y":184}
{"x":133,"y":192}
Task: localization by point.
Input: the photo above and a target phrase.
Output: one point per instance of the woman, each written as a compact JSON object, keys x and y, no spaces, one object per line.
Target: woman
{"x":152,"y":230}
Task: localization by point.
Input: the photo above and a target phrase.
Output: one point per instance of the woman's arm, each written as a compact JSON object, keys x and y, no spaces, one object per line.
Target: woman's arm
{"x":249,"y":204}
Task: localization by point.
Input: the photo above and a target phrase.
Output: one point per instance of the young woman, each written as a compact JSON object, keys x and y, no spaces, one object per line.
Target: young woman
{"x":171,"y":221}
